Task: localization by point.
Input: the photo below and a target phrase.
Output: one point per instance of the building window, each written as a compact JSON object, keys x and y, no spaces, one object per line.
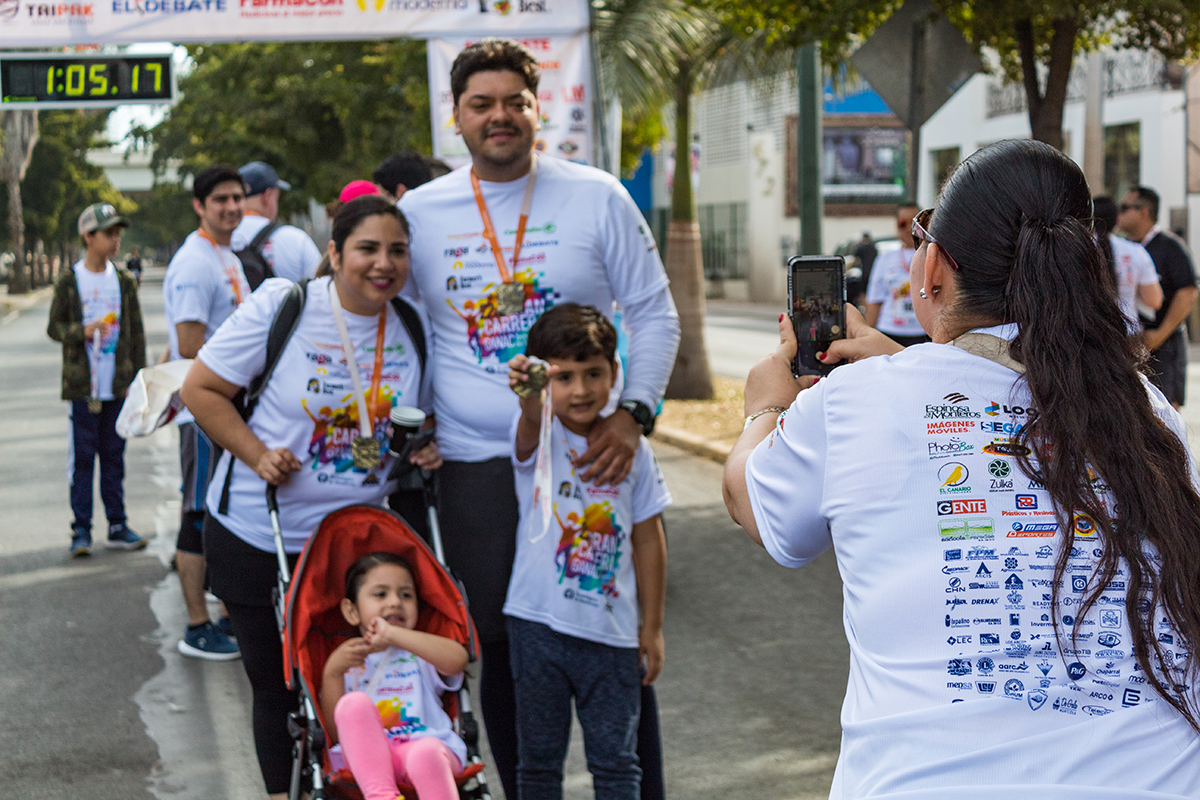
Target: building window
{"x":1122,"y":158}
{"x":943,"y":162}
{"x":863,"y":165}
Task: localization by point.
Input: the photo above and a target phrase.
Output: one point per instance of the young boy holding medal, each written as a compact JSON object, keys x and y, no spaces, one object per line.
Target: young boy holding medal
{"x":96,"y":315}
{"x":587,"y":558}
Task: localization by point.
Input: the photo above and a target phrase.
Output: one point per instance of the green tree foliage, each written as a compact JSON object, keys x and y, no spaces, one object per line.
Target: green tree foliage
{"x":321,"y":113}
{"x":60,"y":182}
{"x":1036,"y":40}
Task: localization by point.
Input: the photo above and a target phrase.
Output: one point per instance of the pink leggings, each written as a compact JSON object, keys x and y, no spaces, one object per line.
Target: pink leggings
{"x":377,"y":763}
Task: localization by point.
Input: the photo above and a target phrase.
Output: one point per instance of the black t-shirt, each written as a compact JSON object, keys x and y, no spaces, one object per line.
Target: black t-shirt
{"x":1175,"y":270}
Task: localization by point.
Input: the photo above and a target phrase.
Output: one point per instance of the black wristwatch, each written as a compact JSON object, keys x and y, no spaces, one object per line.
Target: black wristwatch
{"x":641,"y":414}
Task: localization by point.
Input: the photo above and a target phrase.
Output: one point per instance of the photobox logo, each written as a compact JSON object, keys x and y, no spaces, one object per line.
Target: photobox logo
{"x":9,"y":8}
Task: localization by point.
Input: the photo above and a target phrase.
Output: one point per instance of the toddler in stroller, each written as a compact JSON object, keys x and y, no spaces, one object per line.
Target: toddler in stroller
{"x":381,"y":689}
{"x":364,"y":566}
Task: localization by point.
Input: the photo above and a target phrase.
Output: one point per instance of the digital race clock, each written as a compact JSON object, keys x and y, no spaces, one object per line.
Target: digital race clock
{"x":59,"y":80}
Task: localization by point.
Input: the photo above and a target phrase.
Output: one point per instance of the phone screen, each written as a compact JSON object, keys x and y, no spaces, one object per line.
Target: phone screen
{"x":817,"y":307}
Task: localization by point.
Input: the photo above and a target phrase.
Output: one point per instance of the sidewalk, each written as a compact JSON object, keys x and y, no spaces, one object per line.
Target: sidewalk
{"x":21,"y":302}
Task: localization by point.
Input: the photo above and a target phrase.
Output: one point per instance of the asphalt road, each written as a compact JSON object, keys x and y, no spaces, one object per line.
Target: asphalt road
{"x":97,"y":703}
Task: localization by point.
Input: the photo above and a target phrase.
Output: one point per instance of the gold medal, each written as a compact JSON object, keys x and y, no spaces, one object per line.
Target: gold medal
{"x":365,"y":452}
{"x":536,"y":378}
{"x":510,"y":298}
{"x":95,"y":405}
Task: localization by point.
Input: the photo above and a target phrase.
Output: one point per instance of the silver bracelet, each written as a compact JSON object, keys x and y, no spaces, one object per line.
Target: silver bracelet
{"x":757,"y":414}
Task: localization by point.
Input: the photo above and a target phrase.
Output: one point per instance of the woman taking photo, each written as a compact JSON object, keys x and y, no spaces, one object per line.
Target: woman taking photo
{"x":318,"y":432}
{"x":1012,"y":507}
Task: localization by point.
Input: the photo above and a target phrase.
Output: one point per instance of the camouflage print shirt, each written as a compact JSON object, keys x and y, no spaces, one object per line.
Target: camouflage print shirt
{"x":66,"y":326}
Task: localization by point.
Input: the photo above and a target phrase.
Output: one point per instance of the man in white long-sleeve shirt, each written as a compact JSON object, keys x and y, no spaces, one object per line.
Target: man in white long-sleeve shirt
{"x":581,"y":239}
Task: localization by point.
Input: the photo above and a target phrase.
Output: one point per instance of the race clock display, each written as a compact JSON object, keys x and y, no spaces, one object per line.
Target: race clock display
{"x":81,"y":81}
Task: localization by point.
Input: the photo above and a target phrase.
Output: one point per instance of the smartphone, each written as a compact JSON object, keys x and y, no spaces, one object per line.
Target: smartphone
{"x":817,"y":307}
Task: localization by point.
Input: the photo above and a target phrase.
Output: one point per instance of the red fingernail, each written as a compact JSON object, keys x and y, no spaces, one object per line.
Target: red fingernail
{"x":781,"y":317}
{"x":821,"y":356}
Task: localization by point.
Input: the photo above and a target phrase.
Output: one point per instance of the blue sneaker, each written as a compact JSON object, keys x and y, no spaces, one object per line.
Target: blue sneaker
{"x":121,"y":537}
{"x":206,"y":641}
{"x":81,"y":542}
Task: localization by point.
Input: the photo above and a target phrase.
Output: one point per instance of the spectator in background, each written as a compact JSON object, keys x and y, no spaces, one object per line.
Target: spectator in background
{"x":1164,"y":333}
{"x":400,"y":172}
{"x":865,"y":252}
{"x":203,"y":285}
{"x":1133,"y":269}
{"x":889,"y":292}
{"x":288,"y":251}
{"x":134,"y":264}
{"x":96,"y":315}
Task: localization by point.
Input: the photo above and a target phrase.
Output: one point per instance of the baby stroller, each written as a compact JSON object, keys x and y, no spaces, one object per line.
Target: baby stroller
{"x":312,"y":626}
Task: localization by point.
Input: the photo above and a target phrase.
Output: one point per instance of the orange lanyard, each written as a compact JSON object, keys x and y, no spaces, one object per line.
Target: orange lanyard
{"x":489,"y":230}
{"x":230,"y":272}
{"x":366,"y":400}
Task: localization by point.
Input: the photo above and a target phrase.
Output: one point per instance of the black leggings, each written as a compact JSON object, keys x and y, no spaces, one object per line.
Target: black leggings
{"x":262,"y":656}
{"x":244,"y":577}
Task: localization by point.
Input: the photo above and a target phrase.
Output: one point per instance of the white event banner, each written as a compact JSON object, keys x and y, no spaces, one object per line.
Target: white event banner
{"x":565,"y":99}
{"x":58,"y":23}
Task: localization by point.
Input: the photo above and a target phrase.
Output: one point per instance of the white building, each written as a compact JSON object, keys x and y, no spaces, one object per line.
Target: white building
{"x":741,"y":132}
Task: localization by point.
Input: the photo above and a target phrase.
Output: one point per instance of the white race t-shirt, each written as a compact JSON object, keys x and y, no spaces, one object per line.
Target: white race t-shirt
{"x":289,"y":250}
{"x":1134,"y":268}
{"x":890,"y":286}
{"x":577,"y":577}
{"x":407,"y":694}
{"x":585,"y":242}
{"x":309,"y":407}
{"x":204,"y":283}
{"x":100,"y":294}
{"x":947,"y":552}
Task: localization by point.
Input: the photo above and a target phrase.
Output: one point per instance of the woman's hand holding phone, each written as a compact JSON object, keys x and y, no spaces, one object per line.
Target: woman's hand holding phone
{"x":862,"y":341}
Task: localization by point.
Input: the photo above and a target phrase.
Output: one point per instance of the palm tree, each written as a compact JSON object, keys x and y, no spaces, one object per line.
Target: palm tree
{"x":20,"y":135}
{"x":652,"y":52}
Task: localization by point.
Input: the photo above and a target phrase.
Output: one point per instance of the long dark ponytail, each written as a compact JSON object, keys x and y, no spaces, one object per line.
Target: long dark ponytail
{"x":1017,"y":217}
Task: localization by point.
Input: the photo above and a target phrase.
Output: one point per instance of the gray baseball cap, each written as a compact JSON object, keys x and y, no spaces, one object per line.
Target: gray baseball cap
{"x":260,"y":176}
{"x":100,"y":217}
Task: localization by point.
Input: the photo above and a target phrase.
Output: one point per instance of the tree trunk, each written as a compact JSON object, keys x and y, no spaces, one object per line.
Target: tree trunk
{"x":17,"y":283}
{"x":1046,"y":106}
{"x":20,"y":136}
{"x":691,"y":378}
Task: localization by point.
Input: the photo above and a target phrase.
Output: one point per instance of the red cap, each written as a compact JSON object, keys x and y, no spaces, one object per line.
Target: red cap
{"x":355,"y":189}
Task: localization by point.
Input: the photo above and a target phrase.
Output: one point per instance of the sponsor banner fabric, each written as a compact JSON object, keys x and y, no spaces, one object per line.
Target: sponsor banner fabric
{"x":55,"y":23}
{"x":564,"y":97}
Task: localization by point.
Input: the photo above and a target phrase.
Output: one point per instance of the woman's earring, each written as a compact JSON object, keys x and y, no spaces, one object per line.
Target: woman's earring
{"x":923,"y":295}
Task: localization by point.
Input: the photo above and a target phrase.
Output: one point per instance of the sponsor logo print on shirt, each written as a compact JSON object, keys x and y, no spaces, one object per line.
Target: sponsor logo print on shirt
{"x":954,"y":447}
{"x":1032,"y":530}
{"x":1006,"y":447}
{"x":949,"y":412}
{"x":1026,"y":501}
{"x":953,"y":477}
{"x":966,"y":528}
{"x":947,"y":507}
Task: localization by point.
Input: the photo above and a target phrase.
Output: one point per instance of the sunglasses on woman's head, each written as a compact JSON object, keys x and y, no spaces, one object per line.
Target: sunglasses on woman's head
{"x":920,"y":234}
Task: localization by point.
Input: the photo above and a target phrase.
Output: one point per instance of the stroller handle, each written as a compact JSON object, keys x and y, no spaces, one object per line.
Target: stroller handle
{"x":277,"y":529}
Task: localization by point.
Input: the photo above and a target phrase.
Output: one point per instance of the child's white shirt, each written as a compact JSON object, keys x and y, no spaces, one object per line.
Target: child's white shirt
{"x":578,"y":577}
{"x":406,"y":689}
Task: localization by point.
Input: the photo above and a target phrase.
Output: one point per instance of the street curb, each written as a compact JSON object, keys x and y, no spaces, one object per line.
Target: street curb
{"x":695,"y":445}
{"x":22,"y":302}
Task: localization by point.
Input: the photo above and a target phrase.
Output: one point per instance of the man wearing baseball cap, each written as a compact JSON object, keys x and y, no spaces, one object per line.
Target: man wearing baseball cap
{"x":282,"y":251}
{"x":97,"y":317}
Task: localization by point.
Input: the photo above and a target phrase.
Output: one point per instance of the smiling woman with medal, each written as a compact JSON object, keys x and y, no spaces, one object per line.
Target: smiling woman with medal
{"x":315,"y":432}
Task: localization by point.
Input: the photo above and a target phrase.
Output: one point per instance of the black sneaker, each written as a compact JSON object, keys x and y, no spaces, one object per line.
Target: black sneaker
{"x":81,"y":542}
{"x":206,"y":641}
{"x":121,"y":537}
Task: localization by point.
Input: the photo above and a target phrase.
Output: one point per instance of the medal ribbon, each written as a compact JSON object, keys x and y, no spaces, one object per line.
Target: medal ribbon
{"x":366,"y":406}
{"x":230,"y":271}
{"x":543,"y":477}
{"x":93,"y":357}
{"x":489,"y":230}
